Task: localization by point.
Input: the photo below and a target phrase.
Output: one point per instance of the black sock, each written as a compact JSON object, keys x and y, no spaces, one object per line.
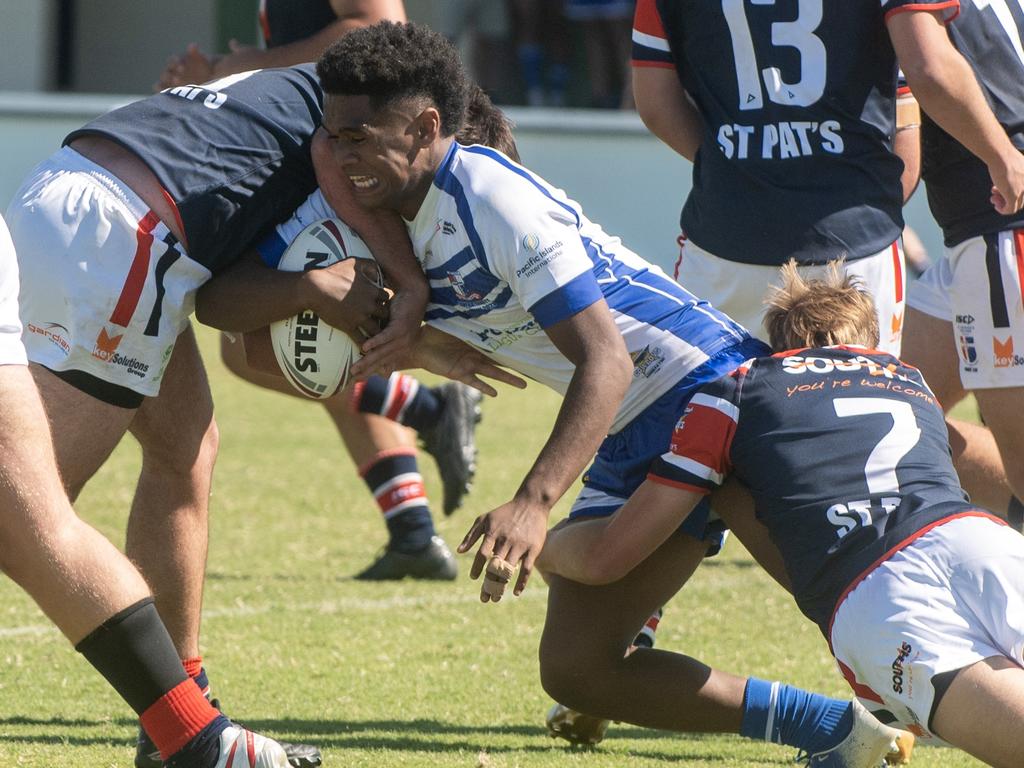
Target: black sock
{"x":133,"y":651}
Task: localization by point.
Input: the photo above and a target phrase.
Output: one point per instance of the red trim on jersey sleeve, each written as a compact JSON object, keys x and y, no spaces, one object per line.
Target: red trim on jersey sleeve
{"x":677,"y":484}
{"x":705,"y":437}
{"x":646,"y":63}
{"x":647,"y":20}
{"x":954,"y":4}
{"x":902,"y":545}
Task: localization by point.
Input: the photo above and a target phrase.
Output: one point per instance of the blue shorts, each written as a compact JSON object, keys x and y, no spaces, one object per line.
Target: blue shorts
{"x":623,"y":460}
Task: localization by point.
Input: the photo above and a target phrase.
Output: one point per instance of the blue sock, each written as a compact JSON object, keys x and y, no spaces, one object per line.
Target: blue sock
{"x":531,"y":65}
{"x":786,"y":715}
{"x":203,"y":750}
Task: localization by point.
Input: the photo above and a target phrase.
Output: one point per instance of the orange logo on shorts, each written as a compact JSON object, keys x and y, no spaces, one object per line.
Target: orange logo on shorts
{"x":106,"y":345}
{"x":897,"y":326}
{"x":1003,"y":352}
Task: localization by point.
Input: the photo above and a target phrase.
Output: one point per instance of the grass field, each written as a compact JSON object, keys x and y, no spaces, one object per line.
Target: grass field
{"x":379,"y":675}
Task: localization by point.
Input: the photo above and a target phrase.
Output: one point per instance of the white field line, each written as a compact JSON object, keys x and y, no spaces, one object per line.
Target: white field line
{"x":341,"y":605}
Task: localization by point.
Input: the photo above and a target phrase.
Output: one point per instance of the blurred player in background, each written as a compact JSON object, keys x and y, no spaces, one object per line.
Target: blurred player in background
{"x":845,"y":452}
{"x":791,"y":124}
{"x":966,"y":310}
{"x":85,"y":585}
{"x":518,"y":273}
{"x":445,"y":416}
{"x":115,"y":232}
{"x":294,"y":31}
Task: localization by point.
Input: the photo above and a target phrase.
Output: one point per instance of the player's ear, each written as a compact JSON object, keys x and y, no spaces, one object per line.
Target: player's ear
{"x":428,"y":125}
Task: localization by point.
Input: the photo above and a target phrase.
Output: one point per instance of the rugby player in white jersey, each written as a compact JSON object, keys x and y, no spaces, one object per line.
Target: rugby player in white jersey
{"x":518,"y":273}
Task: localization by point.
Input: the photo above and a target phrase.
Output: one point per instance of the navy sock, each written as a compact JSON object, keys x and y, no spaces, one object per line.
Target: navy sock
{"x":203,"y":750}
{"x":400,"y":398}
{"x":395,"y":482}
{"x":786,"y":715}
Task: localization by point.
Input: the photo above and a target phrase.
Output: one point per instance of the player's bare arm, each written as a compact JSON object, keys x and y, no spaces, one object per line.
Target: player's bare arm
{"x":944,"y":84}
{"x":386,"y":235}
{"x":666,"y":109}
{"x":515,"y":531}
{"x":193,"y":66}
{"x":603,"y":551}
{"x":249,"y":295}
{"x":443,"y":354}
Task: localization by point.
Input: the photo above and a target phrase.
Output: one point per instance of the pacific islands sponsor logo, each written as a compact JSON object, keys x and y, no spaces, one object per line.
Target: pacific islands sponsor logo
{"x":1003,"y":354}
{"x":539,"y":258}
{"x":55,"y":333}
{"x":531,"y":241}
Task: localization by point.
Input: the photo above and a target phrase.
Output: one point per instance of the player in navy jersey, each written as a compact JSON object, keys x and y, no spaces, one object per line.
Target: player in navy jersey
{"x":294,"y":31}
{"x":966,"y":312}
{"x":518,"y":273}
{"x":787,"y":110}
{"x":115,"y":233}
{"x":446,"y":416}
{"x":845,"y":453}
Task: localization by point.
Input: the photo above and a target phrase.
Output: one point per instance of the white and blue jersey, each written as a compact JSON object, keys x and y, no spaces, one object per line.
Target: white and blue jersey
{"x":507,"y":256}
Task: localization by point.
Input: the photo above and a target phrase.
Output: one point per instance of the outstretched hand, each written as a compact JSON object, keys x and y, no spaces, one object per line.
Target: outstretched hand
{"x":515,"y":533}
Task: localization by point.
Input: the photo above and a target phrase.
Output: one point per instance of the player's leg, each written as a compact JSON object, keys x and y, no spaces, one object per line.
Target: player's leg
{"x":584,"y":663}
{"x":168,"y":524}
{"x":982,"y":710}
{"x":961,"y":308}
{"x":385,"y":454}
{"x":85,"y":430}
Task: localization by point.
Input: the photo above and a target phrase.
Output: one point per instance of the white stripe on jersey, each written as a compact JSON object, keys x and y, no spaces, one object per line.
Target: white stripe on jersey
{"x":695,"y":468}
{"x":723,"y":406}
{"x":650,"y":41}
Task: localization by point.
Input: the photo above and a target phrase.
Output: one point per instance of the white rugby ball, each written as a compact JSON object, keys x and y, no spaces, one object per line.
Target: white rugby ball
{"x":314,"y":356}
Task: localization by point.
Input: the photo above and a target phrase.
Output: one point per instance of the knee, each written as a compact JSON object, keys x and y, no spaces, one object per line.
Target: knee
{"x":573,"y":674}
{"x":191,"y":450}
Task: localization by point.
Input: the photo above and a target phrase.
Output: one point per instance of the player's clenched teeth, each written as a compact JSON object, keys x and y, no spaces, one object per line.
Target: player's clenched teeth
{"x":364,"y":182}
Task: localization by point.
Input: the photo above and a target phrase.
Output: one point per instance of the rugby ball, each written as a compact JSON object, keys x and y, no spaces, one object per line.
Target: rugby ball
{"x":314,"y":356}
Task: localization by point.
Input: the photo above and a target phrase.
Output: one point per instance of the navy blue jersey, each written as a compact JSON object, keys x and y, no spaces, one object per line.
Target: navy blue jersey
{"x":990,"y":35}
{"x":798,"y":105}
{"x":233,"y":154}
{"x":287,"y":21}
{"x":844,"y":450}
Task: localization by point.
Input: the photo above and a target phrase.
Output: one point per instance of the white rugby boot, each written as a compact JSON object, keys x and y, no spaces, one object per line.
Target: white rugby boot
{"x":869,"y":745}
{"x":241,"y":748}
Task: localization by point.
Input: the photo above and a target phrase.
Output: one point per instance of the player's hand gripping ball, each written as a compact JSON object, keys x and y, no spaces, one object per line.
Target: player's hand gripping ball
{"x":497,"y":575}
{"x":314,"y":356}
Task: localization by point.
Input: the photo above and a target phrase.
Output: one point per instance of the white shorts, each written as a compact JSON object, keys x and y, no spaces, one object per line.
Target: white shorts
{"x":953,"y":597}
{"x":105,"y":287}
{"x":12,"y":352}
{"x":739,"y":290}
{"x":977,"y":287}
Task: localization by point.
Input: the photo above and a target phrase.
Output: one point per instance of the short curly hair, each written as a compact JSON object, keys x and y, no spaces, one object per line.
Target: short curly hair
{"x":390,"y":61}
